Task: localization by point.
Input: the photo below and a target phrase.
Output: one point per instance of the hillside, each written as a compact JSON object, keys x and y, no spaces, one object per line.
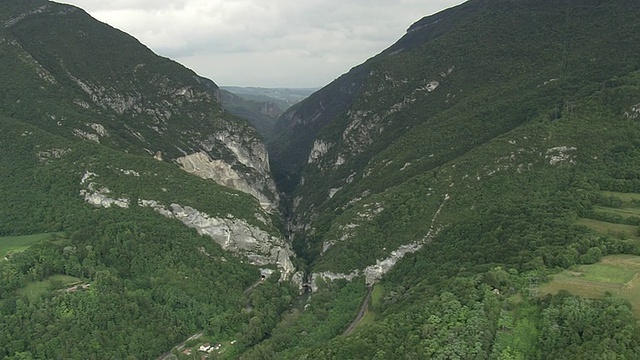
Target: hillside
{"x":457,"y":169}
{"x":147,"y":104}
{"x":136,"y":211}
{"x":260,"y":112}
{"x":471,"y":192}
{"x":464,"y":95}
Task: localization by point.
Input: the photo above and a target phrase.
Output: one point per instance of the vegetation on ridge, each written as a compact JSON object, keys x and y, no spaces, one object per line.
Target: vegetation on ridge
{"x":75,"y":120}
{"x":501,"y":136}
{"x":512,"y":118}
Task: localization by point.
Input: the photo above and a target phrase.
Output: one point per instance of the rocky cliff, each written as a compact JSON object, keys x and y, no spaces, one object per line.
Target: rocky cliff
{"x":236,"y":235}
{"x":247,"y":170}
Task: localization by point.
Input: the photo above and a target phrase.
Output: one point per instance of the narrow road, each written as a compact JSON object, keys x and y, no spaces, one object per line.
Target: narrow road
{"x":180,"y":346}
{"x":363,"y":310}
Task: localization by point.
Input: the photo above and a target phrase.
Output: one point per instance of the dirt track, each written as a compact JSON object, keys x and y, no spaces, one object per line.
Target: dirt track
{"x":363,"y":310}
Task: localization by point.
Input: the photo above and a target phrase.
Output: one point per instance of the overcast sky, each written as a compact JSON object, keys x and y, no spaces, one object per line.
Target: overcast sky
{"x":268,"y":43}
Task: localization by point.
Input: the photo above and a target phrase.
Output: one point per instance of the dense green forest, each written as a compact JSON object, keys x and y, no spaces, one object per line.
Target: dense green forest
{"x":80,"y":281}
{"x":497,"y":141}
{"x":130,"y":272}
{"x":502,"y":137}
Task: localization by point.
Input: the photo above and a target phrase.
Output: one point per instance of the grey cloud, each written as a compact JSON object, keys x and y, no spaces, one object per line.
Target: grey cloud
{"x":302,"y":41}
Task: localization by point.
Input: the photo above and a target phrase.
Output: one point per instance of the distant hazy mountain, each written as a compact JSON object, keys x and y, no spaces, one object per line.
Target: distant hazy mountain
{"x":261,"y":106}
{"x":285,"y":97}
{"x":261,"y":113}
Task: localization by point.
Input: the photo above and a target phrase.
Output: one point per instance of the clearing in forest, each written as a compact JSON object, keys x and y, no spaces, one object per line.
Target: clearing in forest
{"x":55,"y":282}
{"x":625,"y":212}
{"x":9,"y":244}
{"x":616,"y":274}
{"x":625,"y":197}
{"x":630,"y":209}
{"x":606,"y":228}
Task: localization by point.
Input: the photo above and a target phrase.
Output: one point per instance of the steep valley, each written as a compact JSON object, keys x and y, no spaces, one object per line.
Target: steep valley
{"x":431,"y":193}
{"x":469,"y":151}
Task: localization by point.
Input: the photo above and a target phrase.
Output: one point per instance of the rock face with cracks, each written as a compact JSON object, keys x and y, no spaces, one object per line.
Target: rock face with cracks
{"x":238,"y":236}
{"x":235,"y":235}
{"x":246,"y":167}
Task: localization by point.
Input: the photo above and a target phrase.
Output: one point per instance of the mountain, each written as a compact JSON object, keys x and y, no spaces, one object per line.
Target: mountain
{"x":173,"y":114}
{"x":454,"y":173}
{"x":283,"y":97}
{"x":152,"y":209}
{"x":137,"y":103}
{"x":261,"y":106}
{"x":472,"y":192}
{"x":261,"y":113}
{"x":454,"y":86}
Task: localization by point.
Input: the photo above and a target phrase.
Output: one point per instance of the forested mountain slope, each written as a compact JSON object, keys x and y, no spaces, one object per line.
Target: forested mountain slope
{"x":494,"y":143}
{"x":78,"y":71}
{"x":158,"y":205}
{"x":482,"y":74}
{"x":435,"y":189}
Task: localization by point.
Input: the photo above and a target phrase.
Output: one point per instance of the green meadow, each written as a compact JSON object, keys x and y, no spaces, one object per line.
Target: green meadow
{"x":624,"y":212}
{"x":37,"y":288}
{"x":607,"y":228}
{"x":9,"y":244}
{"x":614,"y":274}
{"x":374,"y":306}
{"x":628,"y":210}
{"x":626,"y":197}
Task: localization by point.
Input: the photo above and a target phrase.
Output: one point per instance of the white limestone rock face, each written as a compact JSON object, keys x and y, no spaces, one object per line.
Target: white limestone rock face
{"x":331,"y":276}
{"x":248,"y":151}
{"x":101,"y":200}
{"x":561,"y":155}
{"x":374,"y":273}
{"x":297,"y":279}
{"x":235,"y":235}
{"x":245,"y":166}
{"x":319,"y":149}
{"x":634,"y":113}
{"x":259,"y":185}
{"x":99,"y":196}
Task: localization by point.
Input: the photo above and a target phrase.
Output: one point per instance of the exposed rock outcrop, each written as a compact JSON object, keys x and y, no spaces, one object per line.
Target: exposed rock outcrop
{"x":373,"y":273}
{"x":331,"y":276}
{"x":237,"y":236}
{"x":254,"y":181}
{"x":237,"y":159}
{"x":232,"y":234}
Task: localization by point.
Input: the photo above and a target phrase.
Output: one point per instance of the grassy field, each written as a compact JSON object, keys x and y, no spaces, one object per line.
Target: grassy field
{"x":35,"y":289}
{"x":376,"y":297}
{"x":607,"y":228}
{"x":626,"y":197}
{"x":616,"y":274}
{"x":624,"y":212}
{"x":9,"y":244}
